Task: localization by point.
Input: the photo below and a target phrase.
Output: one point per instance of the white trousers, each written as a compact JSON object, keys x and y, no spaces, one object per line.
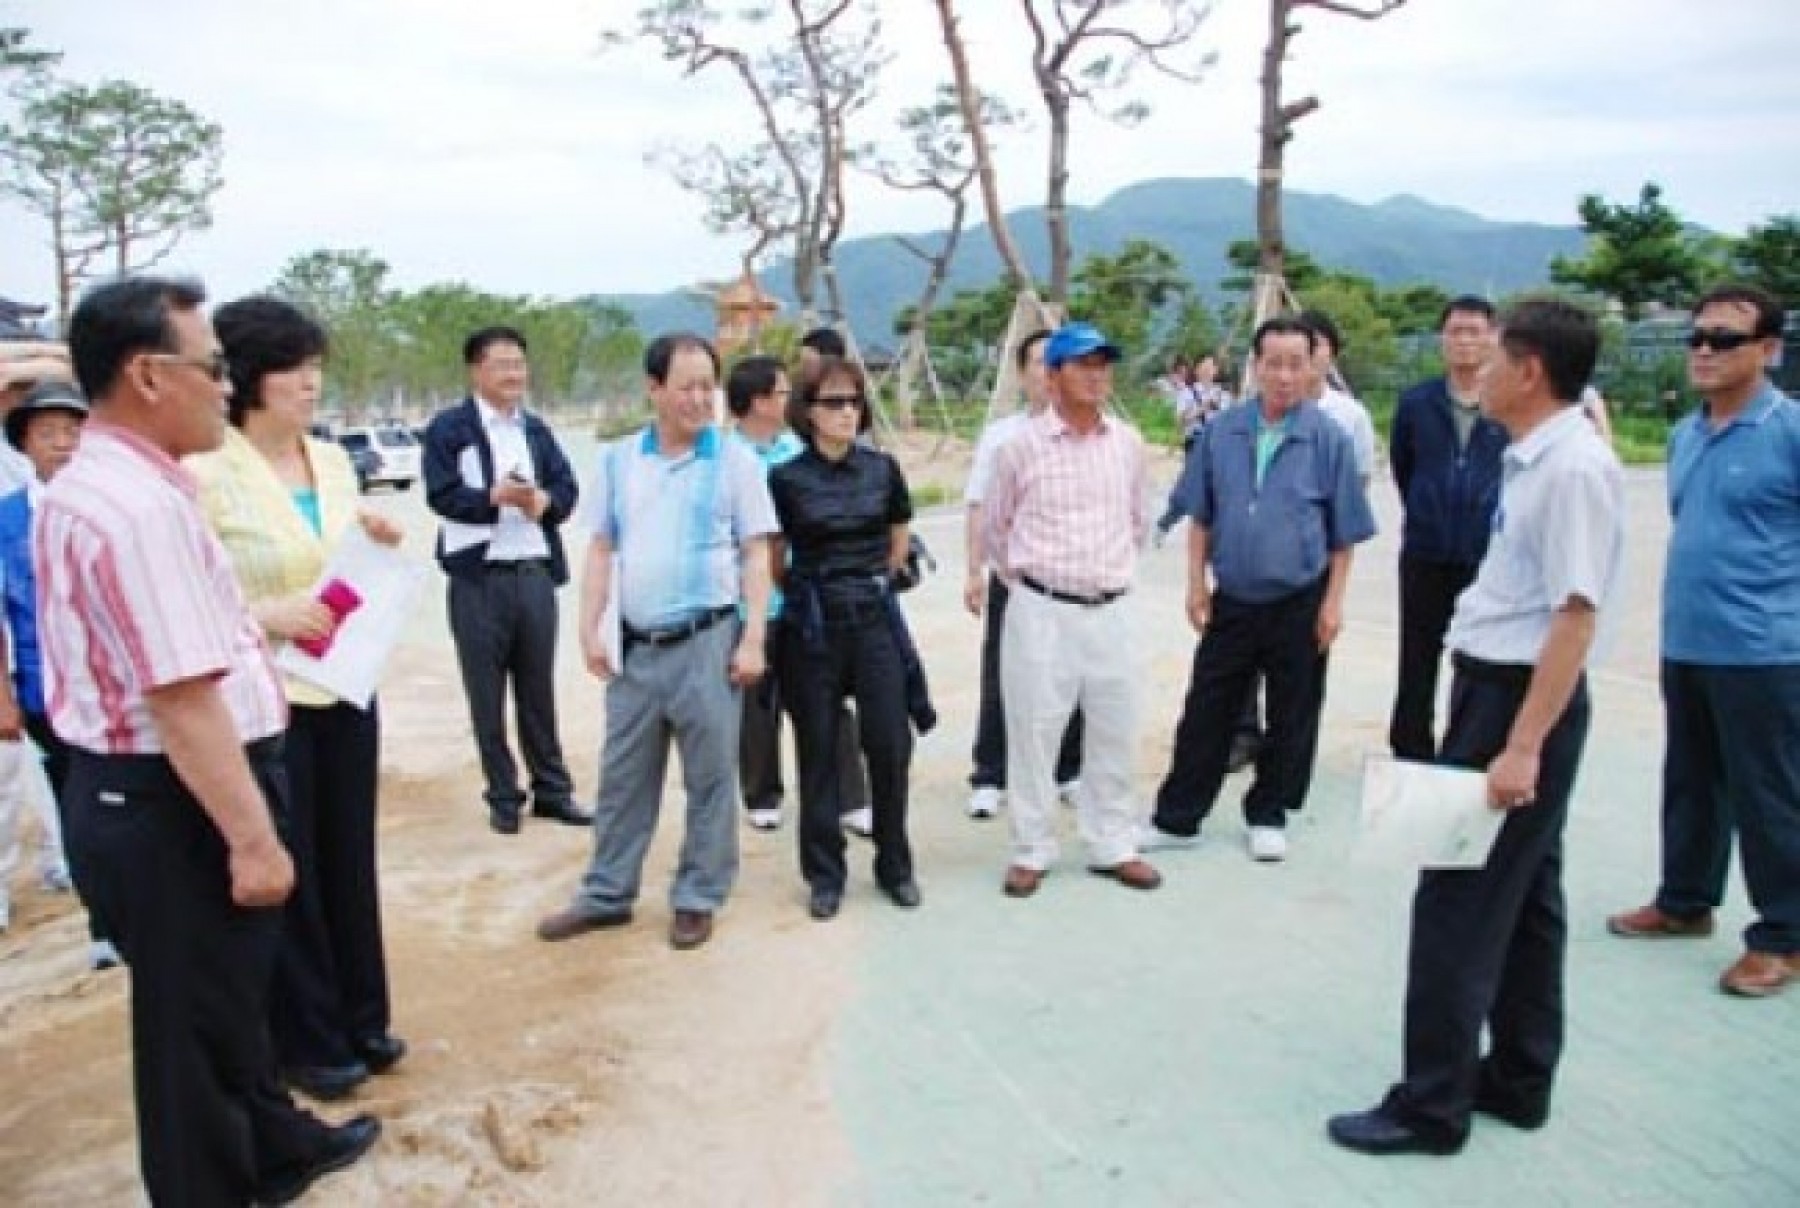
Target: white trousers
{"x":21,"y":776}
{"x":1054,"y":656}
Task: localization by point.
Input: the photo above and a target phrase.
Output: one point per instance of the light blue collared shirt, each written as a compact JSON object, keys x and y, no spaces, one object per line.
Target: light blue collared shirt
{"x":1731,"y":585}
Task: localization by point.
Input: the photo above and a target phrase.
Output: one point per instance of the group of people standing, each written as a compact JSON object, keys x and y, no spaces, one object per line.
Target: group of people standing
{"x":220,"y":818}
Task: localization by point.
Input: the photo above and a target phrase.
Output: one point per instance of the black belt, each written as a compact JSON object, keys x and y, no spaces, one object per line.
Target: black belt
{"x":676,"y":634}
{"x":519,"y":566}
{"x":1095,"y":601}
{"x":1512,"y":675}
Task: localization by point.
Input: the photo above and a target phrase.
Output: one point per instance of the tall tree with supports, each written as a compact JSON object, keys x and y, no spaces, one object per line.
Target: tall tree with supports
{"x":804,"y":81}
{"x":1088,"y":51}
{"x":940,"y":160}
{"x":1279,"y":116}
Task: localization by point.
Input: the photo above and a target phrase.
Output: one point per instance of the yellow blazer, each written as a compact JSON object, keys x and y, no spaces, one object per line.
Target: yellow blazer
{"x":272,"y":548}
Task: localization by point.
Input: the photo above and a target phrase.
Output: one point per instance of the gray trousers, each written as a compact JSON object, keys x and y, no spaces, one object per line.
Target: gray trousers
{"x":504,"y":624}
{"x":677,"y":692}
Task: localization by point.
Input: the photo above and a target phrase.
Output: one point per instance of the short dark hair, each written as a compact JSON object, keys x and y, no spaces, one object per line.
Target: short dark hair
{"x":826,"y":342}
{"x":1561,"y":335}
{"x":752,"y":378}
{"x":800,"y":402}
{"x":1769,"y":316}
{"x":120,"y":318}
{"x":1022,"y":354}
{"x":660,"y":355}
{"x":1282,"y":325}
{"x":1466,"y":304}
{"x":476,"y":346}
{"x":1324,"y":328}
{"x":263,"y":334}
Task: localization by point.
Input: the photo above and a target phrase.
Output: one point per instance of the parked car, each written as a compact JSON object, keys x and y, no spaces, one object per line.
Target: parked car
{"x":396,"y":452}
{"x":363,"y":458}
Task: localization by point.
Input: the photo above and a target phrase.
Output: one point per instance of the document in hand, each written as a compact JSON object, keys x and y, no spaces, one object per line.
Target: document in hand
{"x":1425,"y":816}
{"x":388,"y":582}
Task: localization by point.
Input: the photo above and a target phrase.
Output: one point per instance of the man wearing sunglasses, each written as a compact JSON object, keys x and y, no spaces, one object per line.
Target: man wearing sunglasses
{"x":1731,"y":648}
{"x":160,"y":682}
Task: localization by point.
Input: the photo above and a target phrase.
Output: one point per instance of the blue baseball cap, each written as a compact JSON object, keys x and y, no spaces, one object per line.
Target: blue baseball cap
{"x":1073,"y":341}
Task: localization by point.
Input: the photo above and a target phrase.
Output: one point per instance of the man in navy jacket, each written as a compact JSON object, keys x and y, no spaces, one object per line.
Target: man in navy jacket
{"x":496,"y":476}
{"x":1446,"y":461}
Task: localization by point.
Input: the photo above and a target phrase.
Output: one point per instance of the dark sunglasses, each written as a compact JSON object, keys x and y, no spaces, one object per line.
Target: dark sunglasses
{"x":838,"y":402}
{"x":1720,"y":339}
{"x":215,"y":366}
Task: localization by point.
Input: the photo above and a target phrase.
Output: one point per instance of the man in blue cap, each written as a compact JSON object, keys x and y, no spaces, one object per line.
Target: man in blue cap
{"x":1066,"y":521}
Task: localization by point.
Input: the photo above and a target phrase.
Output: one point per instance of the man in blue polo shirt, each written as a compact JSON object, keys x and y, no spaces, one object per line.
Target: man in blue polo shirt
{"x":1731,"y":648}
{"x":681,"y":519}
{"x":1278,"y":508}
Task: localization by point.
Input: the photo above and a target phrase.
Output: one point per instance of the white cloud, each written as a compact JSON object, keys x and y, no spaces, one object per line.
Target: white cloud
{"x":495,"y":144}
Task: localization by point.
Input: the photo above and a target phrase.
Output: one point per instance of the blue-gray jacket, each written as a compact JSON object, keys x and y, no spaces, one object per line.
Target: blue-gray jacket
{"x":1449,"y":490}
{"x":1274,"y":540}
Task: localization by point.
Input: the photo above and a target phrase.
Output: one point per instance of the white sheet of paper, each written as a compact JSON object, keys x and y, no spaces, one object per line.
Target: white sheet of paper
{"x":1424,"y":815}
{"x":388,"y":583}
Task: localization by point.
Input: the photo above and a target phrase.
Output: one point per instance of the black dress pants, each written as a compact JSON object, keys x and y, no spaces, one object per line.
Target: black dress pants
{"x":331,"y":987}
{"x":1488,"y":943}
{"x":759,"y":740}
{"x":989,"y":754}
{"x":213,"y":1120}
{"x":856,"y":656}
{"x":1428,"y":592}
{"x":504,"y":623}
{"x":56,"y":771}
{"x":1276,"y":639}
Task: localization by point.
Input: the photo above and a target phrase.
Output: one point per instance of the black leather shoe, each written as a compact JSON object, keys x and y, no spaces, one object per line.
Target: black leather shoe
{"x":503,"y":821}
{"x":343,"y":1146}
{"x":1529,"y":1117}
{"x":904,"y":894}
{"x":380,"y":1053}
{"x":824,"y":904}
{"x":565,"y":812}
{"x":1376,"y":1132}
{"x":327,"y":1082}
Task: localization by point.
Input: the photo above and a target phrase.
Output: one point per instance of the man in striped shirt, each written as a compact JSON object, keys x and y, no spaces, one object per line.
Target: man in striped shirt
{"x":1066,"y":521}
{"x":159,"y":681}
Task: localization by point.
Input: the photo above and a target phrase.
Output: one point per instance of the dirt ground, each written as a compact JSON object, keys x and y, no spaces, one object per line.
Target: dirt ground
{"x":537,"y":1073}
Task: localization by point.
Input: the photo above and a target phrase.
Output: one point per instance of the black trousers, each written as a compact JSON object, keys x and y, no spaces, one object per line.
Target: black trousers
{"x":1487,"y":944}
{"x":759,"y":741}
{"x":504,"y":624}
{"x":56,"y":771}
{"x":858,"y":657}
{"x":989,"y":754}
{"x":1277,"y":640}
{"x":1428,"y":592}
{"x":213,"y":1120}
{"x":331,"y":986}
{"x":1733,"y":764}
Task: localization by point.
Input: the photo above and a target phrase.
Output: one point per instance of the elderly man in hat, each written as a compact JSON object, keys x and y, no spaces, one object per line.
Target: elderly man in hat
{"x":1066,"y":522}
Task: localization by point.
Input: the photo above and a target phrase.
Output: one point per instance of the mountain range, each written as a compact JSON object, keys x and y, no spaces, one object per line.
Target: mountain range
{"x":1402,"y":240}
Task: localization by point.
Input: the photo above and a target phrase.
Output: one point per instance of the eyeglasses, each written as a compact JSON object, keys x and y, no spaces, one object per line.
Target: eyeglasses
{"x":1720,"y":339}
{"x":215,"y":366}
{"x":838,"y":402}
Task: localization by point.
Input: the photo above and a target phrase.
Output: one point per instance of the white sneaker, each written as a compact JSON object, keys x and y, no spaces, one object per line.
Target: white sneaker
{"x":766,"y":820}
{"x":861,"y":822}
{"x":102,"y":955}
{"x":1067,"y":791}
{"x":1268,"y":843}
{"x":985,"y":802}
{"x":1153,"y":838}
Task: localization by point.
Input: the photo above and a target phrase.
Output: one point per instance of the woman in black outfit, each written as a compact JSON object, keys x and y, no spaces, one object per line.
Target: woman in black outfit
{"x":844,"y":510}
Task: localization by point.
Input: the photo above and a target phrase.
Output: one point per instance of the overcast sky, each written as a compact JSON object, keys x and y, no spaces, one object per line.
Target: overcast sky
{"x":492,"y":142}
